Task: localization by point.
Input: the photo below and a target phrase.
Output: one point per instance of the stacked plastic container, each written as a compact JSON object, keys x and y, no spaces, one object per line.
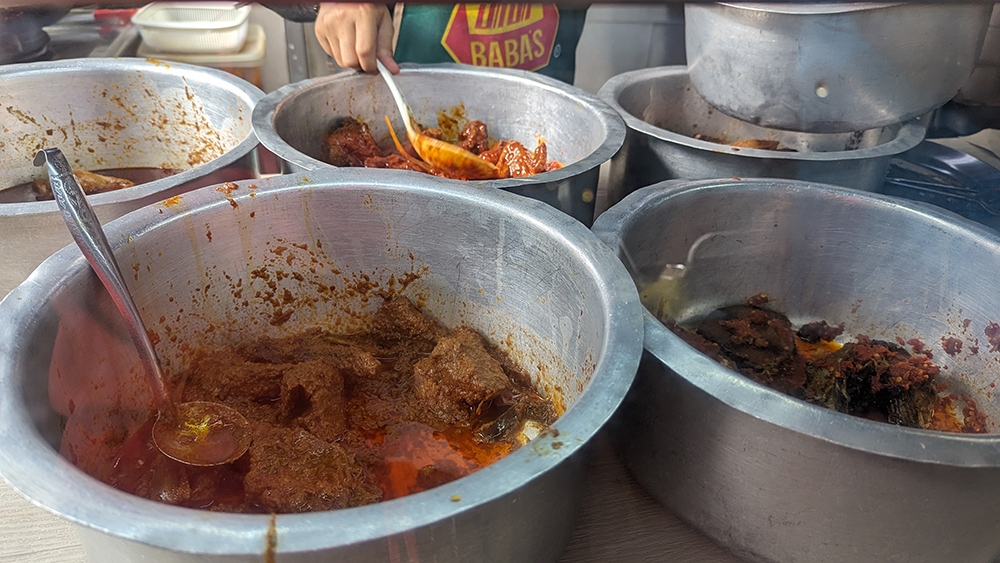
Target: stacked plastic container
{"x":212,"y":34}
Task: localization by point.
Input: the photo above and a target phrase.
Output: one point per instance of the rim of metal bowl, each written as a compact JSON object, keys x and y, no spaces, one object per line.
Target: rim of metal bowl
{"x":909,"y":135}
{"x":249,"y":93}
{"x":832,"y":8}
{"x":263,"y":118}
{"x":27,"y":455}
{"x":774,"y":407}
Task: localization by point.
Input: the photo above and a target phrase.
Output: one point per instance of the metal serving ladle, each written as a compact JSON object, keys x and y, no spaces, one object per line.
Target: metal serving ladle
{"x":437,"y":153}
{"x":668,"y":272}
{"x":660,"y":291}
{"x":196,"y":433}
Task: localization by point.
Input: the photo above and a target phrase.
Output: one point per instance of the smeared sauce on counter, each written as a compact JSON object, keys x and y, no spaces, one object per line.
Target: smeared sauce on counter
{"x":867,"y":378}
{"x":342,"y":420}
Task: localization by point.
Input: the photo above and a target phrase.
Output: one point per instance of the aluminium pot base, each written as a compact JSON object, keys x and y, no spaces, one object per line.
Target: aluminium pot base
{"x":774,"y":478}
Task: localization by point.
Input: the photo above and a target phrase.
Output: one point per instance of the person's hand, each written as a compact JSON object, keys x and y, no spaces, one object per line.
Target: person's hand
{"x":356,"y":34}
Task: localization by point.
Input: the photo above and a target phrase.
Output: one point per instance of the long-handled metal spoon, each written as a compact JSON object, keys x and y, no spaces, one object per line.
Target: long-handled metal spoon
{"x":660,"y":292}
{"x":445,"y":156}
{"x":196,"y":433}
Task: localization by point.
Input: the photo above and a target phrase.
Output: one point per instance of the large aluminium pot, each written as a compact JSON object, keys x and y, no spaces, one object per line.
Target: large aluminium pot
{"x":580,"y":131}
{"x":665,"y":116}
{"x":983,"y":86}
{"x":537,"y":282}
{"x":114,"y":113}
{"x":775,"y":478}
{"x":832,"y":67}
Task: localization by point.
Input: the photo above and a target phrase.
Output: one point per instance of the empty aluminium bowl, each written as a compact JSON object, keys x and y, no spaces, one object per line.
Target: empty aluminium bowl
{"x":537,"y":283}
{"x":778,"y":479}
{"x":580,"y":131}
{"x":674,"y":133}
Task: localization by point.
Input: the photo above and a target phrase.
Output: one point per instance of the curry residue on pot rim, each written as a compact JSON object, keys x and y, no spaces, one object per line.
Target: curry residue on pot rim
{"x":351,"y":143}
{"x":868,"y":378}
{"x":341,"y":420}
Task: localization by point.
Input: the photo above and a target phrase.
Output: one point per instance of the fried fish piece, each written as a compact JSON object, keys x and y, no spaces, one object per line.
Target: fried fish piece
{"x":762,"y":144}
{"x":90,"y":182}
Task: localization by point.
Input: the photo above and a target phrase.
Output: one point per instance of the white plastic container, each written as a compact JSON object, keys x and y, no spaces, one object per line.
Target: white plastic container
{"x":193,"y":27}
{"x":247,"y":63}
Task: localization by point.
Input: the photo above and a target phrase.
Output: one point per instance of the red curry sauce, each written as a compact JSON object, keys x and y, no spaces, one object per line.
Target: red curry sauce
{"x":343,"y":420}
{"x":351,"y":143}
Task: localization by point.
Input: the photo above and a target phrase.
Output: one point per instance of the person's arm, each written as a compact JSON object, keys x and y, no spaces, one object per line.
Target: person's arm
{"x":356,"y":34}
{"x":299,"y":13}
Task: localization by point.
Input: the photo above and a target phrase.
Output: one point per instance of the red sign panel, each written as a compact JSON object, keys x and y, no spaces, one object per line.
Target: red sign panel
{"x":502,"y":35}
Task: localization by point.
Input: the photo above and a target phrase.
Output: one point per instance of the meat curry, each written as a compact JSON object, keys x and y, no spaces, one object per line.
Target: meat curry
{"x":868,"y":378}
{"x":342,"y":420}
{"x":351,"y":143}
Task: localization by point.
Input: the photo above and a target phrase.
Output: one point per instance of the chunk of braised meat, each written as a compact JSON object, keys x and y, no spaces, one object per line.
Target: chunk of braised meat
{"x":249,"y":387}
{"x":433,"y":133}
{"x":399,"y":319}
{"x":881,"y":365}
{"x":404,"y":333}
{"x":503,"y":417}
{"x":756,"y":339}
{"x":315,"y":343}
{"x":868,"y":378}
{"x":474,"y":138}
{"x":458,"y":376}
{"x":820,"y":330}
{"x":513,"y":160}
{"x":302,"y":376}
{"x":878,"y":380}
{"x":384,"y":401}
{"x":701,"y":344}
{"x":354,"y":358}
{"x":759,"y":343}
{"x":293,"y":471}
{"x":349,"y":144}
{"x":312,"y":397}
